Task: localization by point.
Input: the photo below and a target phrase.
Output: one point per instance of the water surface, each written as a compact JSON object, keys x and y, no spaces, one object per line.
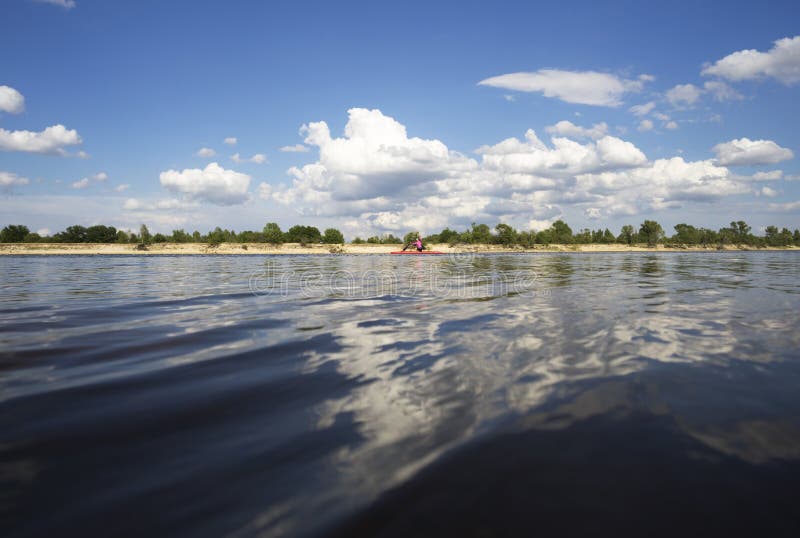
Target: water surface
{"x":364,"y":395}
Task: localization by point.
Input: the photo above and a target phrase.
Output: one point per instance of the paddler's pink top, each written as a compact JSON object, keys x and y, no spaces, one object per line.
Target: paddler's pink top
{"x":419,"y":243}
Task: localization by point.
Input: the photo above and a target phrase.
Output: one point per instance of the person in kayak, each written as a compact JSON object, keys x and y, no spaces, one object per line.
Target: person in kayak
{"x":417,"y":243}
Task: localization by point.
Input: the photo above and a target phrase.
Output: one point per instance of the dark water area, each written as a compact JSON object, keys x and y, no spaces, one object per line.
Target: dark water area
{"x":490,"y":395}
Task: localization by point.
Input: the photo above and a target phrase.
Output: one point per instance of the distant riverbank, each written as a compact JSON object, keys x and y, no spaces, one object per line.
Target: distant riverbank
{"x":296,"y":248}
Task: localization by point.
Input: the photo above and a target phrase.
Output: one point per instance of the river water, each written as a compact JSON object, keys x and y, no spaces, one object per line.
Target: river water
{"x":469,"y":395}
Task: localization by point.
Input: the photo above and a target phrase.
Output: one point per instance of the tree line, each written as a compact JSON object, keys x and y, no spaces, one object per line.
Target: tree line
{"x":649,"y":232}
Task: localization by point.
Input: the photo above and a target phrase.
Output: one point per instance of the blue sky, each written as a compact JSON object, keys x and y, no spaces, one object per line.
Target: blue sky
{"x":417,"y":100}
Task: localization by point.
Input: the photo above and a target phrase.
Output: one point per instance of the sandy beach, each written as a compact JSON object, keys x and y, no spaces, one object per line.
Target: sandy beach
{"x":296,"y":248}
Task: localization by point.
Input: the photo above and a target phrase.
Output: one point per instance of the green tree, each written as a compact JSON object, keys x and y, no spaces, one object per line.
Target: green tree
{"x":122,"y":236}
{"x":561,"y":233}
{"x":771,"y":235}
{"x":796,"y":237}
{"x":180,"y":236}
{"x":544,"y":237}
{"x":14,"y":233}
{"x":481,"y":234}
{"x":707,"y":237}
{"x":73,"y":234}
{"x":686,"y":234}
{"x":525,"y":239}
{"x":506,"y":235}
{"x":357,"y":241}
{"x":303,"y":235}
{"x":273,"y":233}
{"x":448,"y":236}
{"x":785,"y":237}
{"x":32,"y":237}
{"x":626,"y":235}
{"x":332,"y":236}
{"x":101,"y":234}
{"x":608,"y":237}
{"x":144,"y":235}
{"x":160,"y":238}
{"x":584,"y":237}
{"x":651,"y":232}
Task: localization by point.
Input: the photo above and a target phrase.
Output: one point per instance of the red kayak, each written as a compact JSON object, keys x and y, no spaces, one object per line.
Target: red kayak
{"x":415,"y":252}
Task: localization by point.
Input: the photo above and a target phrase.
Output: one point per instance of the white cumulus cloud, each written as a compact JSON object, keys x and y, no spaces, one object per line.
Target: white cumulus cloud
{"x":122,"y":187}
{"x":683,"y":94}
{"x":50,"y":141}
{"x":206,"y":153}
{"x":231,"y":140}
{"x":9,"y":179}
{"x":642,"y":110}
{"x":570,"y":130}
{"x":645,"y":125}
{"x":781,"y":62}
{"x":721,"y":91}
{"x":213,"y":184}
{"x":746,"y":152}
{"x":264,"y":190}
{"x":378,"y":178}
{"x":766,"y":191}
{"x":580,"y":87}
{"x":81,"y":183}
{"x":11,"y":100}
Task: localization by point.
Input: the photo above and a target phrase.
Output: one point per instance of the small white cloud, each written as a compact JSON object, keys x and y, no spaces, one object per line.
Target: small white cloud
{"x":50,"y":141}
{"x":570,"y":130}
{"x":100,"y":176}
{"x":66,"y":4}
{"x":11,"y":100}
{"x":660,"y":116}
{"x":81,"y":183}
{"x":297,"y":148}
{"x":788,"y":206}
{"x":122,"y":187}
{"x":746,"y":152}
{"x":580,"y":87}
{"x":766,"y":191}
{"x":781,"y":62}
{"x":592,"y":213}
{"x":205,"y":153}
{"x":721,"y":91}
{"x":9,"y":179}
{"x":264,"y":190}
{"x":642,"y":110}
{"x":213,"y":184}
{"x":131,"y":204}
{"x":43,"y":231}
{"x":683,"y":95}
{"x":768,"y":176}
{"x":82,"y":155}
{"x":258,"y":158}
{"x":645,"y":125}
{"x":671,"y":125}
{"x":231,"y":140}
{"x":510,"y":98}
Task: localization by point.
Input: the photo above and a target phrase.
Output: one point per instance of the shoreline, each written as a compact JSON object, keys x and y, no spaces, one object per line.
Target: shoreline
{"x":254,"y":249}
